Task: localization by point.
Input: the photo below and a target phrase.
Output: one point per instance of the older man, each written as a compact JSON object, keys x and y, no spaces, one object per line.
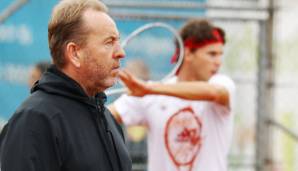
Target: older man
{"x":64,"y":125}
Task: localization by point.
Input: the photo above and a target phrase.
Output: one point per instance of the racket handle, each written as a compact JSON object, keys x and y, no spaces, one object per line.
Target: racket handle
{"x":115,"y":91}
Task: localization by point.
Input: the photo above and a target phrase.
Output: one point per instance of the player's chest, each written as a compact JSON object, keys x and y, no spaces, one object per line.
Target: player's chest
{"x":175,"y":112}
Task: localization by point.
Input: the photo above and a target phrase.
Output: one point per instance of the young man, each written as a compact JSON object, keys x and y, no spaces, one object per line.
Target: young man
{"x":64,"y":125}
{"x":191,"y":132}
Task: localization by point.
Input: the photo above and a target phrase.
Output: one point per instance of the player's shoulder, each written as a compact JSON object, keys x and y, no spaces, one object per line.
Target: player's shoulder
{"x":221,"y":78}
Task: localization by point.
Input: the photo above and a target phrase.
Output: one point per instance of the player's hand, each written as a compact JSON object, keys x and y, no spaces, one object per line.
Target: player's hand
{"x":136,"y":87}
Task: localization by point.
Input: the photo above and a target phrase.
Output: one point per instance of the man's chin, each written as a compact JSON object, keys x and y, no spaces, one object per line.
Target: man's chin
{"x":111,"y":82}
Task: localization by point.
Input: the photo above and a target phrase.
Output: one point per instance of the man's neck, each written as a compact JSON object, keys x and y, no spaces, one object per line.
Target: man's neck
{"x":185,"y":74}
{"x":75,"y":76}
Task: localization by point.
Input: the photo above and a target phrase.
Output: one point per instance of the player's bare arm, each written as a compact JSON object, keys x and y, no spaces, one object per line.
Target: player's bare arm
{"x":191,"y":90}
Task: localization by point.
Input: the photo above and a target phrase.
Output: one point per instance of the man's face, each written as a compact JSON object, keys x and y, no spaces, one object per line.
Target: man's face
{"x":206,"y":61}
{"x":102,"y":52}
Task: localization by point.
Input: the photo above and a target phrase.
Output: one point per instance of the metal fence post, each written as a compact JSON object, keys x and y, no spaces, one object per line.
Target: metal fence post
{"x":265,"y":99}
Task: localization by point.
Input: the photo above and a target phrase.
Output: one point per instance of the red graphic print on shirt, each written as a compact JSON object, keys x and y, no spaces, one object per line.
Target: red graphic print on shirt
{"x":183,"y":138}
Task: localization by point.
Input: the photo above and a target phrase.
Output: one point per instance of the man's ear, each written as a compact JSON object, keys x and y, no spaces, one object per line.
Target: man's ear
{"x":72,"y":54}
{"x":188,"y":54}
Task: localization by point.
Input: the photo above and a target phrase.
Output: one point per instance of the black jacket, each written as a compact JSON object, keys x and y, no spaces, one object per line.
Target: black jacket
{"x":59,"y":128}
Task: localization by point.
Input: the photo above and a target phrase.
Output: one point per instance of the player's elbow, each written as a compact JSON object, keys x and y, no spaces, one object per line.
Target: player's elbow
{"x":222,"y":97}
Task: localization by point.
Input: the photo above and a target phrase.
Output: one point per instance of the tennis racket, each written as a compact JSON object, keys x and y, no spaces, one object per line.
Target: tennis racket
{"x":149,"y":51}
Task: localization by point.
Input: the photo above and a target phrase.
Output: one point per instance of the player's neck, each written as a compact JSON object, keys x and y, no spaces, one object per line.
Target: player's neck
{"x":186,"y":74}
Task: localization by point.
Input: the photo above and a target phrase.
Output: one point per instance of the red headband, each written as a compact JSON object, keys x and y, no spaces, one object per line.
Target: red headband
{"x":190,"y":43}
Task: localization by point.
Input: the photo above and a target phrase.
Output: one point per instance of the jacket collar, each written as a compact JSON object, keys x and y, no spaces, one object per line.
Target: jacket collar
{"x":56,"y":82}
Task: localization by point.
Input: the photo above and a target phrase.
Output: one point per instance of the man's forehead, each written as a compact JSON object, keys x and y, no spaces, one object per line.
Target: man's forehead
{"x":93,"y":18}
{"x":214,"y":46}
{"x":100,"y":21}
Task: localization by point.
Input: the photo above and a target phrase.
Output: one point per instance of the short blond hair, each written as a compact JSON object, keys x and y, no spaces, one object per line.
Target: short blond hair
{"x":66,"y":26}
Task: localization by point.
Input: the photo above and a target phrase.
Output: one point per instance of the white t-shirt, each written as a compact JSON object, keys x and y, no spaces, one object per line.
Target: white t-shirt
{"x":183,"y":134}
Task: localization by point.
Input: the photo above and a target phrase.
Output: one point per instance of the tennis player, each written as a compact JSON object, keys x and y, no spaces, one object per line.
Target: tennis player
{"x":189,"y":118}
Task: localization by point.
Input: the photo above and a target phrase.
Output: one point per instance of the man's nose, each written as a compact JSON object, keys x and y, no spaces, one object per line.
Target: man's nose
{"x":119,"y":52}
{"x":218,"y":61}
